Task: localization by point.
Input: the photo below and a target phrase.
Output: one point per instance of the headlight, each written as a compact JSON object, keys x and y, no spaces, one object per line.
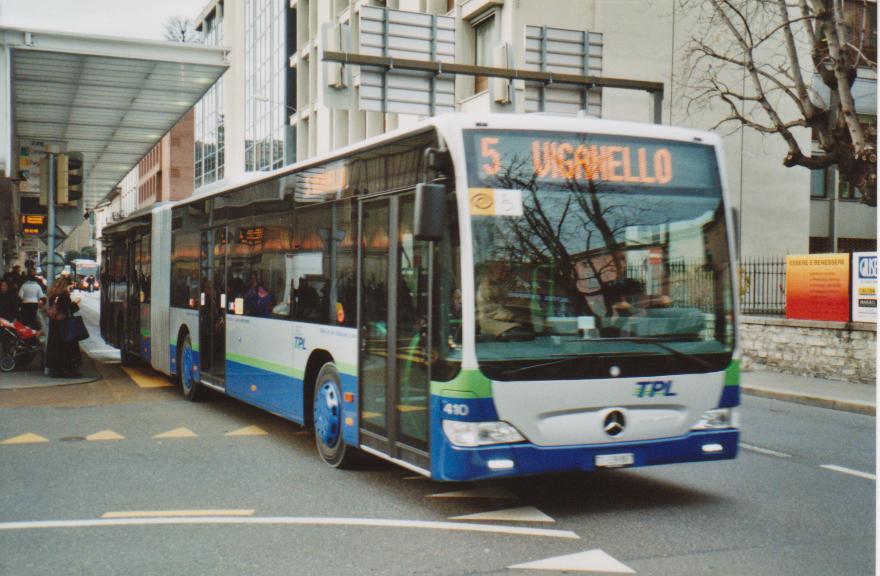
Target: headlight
{"x":719,"y":418}
{"x":480,"y":433}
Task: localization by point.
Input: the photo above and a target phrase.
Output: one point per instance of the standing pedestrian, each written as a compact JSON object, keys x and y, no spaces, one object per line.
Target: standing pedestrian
{"x":30,"y":293}
{"x":63,"y":358}
{"x":15,"y":277}
{"x":9,"y":303}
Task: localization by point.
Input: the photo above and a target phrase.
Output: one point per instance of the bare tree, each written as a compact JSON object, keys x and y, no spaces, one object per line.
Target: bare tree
{"x":782,"y":65}
{"x":179,"y":29}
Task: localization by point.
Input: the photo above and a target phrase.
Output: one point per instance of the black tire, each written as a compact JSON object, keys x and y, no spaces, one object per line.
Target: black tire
{"x":7,"y":364}
{"x":328,"y":419}
{"x":189,"y":386}
{"x":127,"y":358}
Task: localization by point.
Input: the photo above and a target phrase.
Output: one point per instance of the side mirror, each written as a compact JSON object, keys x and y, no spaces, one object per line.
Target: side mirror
{"x":736,"y":231}
{"x":430,"y":211}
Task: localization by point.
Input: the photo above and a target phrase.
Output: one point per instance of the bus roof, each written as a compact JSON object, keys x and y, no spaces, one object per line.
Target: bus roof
{"x":447,"y":125}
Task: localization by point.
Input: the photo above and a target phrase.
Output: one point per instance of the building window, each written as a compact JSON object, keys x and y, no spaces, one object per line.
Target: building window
{"x":819,"y":183}
{"x":820,"y":245}
{"x":485,"y":39}
{"x":208,"y":155}
{"x":265,"y":75}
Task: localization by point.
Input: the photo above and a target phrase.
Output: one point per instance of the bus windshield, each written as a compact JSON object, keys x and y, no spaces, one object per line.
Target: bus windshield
{"x":597,"y":255}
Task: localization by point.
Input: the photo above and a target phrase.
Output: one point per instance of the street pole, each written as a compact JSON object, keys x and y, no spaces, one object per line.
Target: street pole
{"x":53,"y":189}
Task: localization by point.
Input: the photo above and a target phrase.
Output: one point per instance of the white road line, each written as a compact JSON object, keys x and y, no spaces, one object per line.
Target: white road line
{"x":849,"y":471}
{"x":765,"y":451}
{"x":175,"y":513}
{"x":294,"y":520}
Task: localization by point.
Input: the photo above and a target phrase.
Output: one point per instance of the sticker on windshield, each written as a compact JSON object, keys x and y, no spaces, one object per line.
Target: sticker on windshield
{"x":495,"y":202}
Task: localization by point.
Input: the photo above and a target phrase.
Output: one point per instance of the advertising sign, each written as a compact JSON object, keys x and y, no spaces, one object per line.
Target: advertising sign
{"x":817,"y":287}
{"x":864,"y":287}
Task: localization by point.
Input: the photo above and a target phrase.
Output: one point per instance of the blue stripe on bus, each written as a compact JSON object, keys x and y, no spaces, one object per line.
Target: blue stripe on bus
{"x":451,"y":463}
{"x":278,"y":393}
{"x":466,"y":409}
{"x":350,"y":433}
{"x":146,"y":350}
{"x":729,"y":397}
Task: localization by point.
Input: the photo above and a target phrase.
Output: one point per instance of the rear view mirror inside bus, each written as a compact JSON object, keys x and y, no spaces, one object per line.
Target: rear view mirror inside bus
{"x":430,"y":207}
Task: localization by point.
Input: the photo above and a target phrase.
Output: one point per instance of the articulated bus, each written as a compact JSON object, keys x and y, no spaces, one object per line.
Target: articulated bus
{"x":475,"y":297}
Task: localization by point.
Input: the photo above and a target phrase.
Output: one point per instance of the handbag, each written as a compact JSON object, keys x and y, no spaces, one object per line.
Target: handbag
{"x":75,"y":329}
{"x":54,"y":313}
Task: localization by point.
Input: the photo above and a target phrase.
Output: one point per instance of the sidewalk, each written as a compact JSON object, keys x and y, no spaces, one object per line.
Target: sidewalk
{"x":94,"y":350}
{"x":847,"y":396}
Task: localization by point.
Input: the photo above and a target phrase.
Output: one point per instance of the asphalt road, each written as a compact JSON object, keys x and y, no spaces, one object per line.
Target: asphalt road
{"x":205,"y":502}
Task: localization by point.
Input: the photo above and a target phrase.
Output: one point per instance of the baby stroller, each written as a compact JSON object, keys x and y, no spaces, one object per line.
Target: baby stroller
{"x":19,"y":344}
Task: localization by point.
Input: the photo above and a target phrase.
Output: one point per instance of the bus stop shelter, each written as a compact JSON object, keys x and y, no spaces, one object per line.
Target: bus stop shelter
{"x":111,"y":99}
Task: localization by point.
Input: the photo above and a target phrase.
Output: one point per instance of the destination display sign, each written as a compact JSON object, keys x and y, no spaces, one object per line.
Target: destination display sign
{"x":513,"y":158}
{"x":33,"y":224}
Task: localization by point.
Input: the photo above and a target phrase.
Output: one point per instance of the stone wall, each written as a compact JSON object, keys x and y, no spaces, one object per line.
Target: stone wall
{"x":833,"y":350}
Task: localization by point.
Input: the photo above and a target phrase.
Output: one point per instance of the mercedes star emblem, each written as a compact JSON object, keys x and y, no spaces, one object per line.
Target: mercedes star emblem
{"x":615,"y":422}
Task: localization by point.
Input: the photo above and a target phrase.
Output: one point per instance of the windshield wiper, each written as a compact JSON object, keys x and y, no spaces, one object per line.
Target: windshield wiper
{"x":659,"y":342}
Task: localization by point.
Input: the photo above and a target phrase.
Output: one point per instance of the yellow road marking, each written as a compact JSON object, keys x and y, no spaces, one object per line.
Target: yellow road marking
{"x":105,"y":435}
{"x":181,"y":432}
{"x":174,"y":513}
{"x":27,"y":438}
{"x":248,"y":431}
{"x":147,"y":380}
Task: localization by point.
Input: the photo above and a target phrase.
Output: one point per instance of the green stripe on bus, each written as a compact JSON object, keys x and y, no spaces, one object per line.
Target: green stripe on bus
{"x":268,"y":366}
{"x":731,"y":374}
{"x":347,"y":369}
{"x":468,"y":384}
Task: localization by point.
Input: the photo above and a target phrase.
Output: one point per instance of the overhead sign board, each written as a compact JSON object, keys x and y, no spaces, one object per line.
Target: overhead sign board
{"x":406,"y":35}
{"x":33,"y":224}
{"x":563,"y":51}
{"x":864,"y":287}
{"x":817,"y":287}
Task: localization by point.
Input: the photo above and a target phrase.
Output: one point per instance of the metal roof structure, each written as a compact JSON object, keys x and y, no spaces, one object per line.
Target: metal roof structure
{"x":110,"y":98}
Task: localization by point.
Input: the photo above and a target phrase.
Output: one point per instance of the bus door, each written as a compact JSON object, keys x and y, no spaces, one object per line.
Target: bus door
{"x":212,"y":306}
{"x":132,"y":323}
{"x":393,"y":332}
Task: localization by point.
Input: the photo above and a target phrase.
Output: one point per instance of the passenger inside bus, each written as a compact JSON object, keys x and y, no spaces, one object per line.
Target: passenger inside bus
{"x":257,"y":300}
{"x":501,"y":310}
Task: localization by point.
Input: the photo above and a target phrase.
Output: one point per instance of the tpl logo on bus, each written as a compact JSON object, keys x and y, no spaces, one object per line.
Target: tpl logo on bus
{"x":652,"y":388}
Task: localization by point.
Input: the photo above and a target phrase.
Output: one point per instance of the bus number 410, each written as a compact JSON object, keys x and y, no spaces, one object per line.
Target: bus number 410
{"x":456,"y":409}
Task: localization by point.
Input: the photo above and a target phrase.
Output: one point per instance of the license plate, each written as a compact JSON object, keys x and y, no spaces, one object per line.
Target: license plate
{"x":615,"y":460}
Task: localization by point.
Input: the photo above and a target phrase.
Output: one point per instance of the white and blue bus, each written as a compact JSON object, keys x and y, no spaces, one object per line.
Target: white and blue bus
{"x":476,"y":297}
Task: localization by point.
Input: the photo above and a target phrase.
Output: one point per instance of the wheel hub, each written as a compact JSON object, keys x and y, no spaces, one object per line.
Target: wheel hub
{"x":327,"y":415}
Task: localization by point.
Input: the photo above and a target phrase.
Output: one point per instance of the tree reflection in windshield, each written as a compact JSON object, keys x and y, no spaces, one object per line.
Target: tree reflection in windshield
{"x":587,"y":257}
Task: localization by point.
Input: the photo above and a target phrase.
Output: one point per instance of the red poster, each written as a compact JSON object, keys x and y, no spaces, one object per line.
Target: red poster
{"x":817,"y":287}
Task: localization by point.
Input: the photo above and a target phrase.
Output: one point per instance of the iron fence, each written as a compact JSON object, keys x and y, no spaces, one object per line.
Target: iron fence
{"x":762,"y":286}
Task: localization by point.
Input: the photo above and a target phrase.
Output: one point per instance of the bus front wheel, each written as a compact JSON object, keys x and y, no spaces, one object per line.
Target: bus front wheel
{"x":327,"y":412}
{"x":186,"y":369}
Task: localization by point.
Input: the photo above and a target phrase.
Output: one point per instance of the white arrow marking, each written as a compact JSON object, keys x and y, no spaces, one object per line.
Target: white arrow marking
{"x":589,"y":561}
{"x":849,"y":471}
{"x":499,"y":493}
{"x":522,"y":514}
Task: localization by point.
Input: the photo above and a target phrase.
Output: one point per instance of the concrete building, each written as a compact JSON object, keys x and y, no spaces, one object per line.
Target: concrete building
{"x":166,"y":172}
{"x":281,"y":100}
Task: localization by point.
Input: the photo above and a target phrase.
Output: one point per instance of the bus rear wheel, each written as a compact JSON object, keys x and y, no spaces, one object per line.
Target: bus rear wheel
{"x":327,"y":412}
{"x":185,"y":371}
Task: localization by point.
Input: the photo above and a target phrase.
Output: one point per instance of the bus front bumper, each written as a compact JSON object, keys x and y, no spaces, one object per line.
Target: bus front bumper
{"x":459,"y":464}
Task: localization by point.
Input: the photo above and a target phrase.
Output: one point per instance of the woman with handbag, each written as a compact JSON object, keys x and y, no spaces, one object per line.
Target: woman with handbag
{"x":62,"y":348}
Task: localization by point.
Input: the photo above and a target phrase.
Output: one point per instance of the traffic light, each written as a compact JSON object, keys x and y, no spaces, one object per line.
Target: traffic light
{"x":70,"y":177}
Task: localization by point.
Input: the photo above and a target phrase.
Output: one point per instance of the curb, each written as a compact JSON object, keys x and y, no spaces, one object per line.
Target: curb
{"x":821,"y":402}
